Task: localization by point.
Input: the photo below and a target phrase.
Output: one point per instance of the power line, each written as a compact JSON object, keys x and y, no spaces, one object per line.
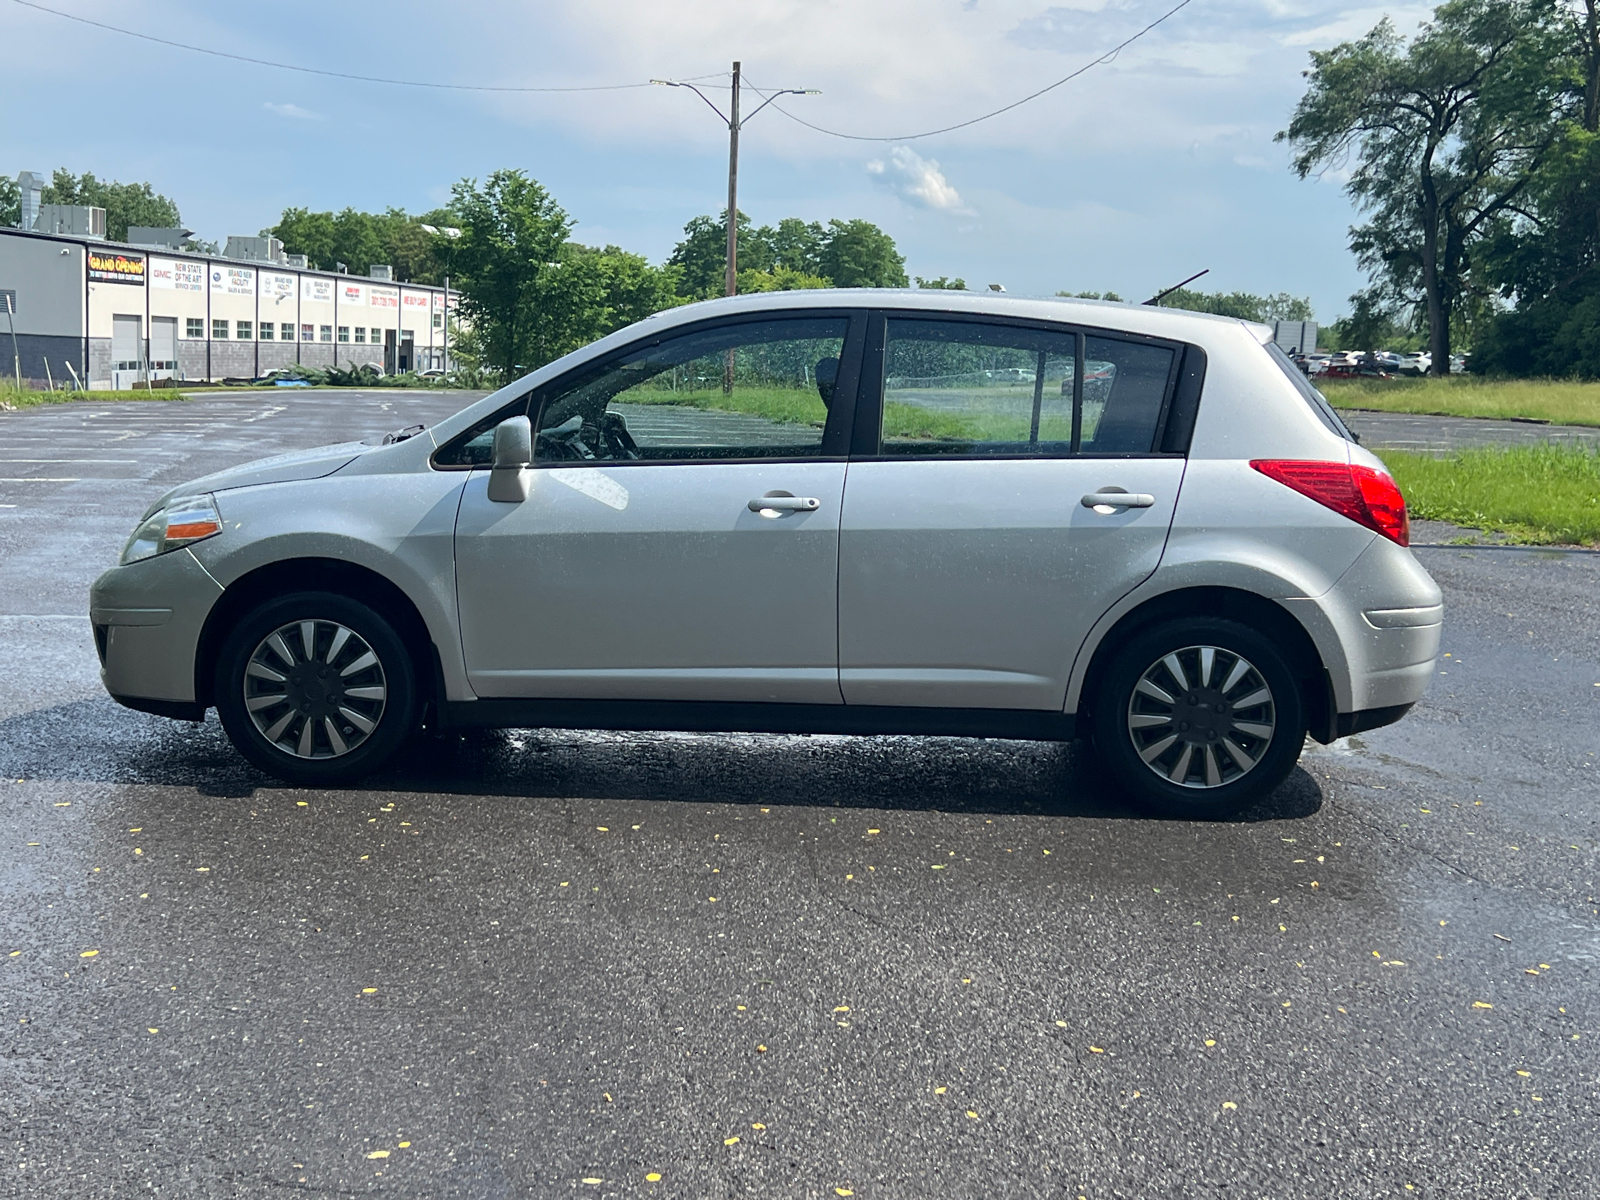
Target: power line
{"x":262,"y":62}
{"x":910,"y":137}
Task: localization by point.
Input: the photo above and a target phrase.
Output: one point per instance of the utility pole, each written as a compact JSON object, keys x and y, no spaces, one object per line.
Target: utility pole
{"x":734,"y":123}
{"x":732,"y":281}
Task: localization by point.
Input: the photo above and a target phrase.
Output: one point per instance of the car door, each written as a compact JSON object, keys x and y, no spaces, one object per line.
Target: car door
{"x":680,"y":538}
{"x":971,"y":569}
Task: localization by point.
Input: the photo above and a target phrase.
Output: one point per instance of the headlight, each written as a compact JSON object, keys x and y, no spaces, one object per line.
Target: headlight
{"x":180,"y":522}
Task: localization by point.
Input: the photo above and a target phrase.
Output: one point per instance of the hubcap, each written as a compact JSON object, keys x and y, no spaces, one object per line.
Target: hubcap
{"x":1201,"y":717}
{"x":315,"y":689}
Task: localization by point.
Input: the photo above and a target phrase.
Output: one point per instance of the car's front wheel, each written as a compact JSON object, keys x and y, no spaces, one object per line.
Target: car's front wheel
{"x":315,"y":688}
{"x":1199,"y":717}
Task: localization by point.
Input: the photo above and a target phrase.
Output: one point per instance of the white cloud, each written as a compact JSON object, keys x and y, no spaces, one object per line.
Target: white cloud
{"x":293,"y":111}
{"x":918,"y":181}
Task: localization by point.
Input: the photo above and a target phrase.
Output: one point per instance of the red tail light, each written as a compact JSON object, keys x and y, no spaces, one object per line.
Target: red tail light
{"x":1367,"y":496}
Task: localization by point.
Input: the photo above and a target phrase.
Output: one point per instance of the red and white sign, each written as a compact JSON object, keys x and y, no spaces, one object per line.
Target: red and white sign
{"x":353,"y":295}
{"x":382,"y":297}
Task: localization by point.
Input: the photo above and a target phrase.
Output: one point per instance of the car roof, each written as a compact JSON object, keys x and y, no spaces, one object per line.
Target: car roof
{"x":1176,"y":323}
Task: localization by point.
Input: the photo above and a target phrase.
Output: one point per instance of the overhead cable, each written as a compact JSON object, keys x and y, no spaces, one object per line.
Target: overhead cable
{"x":911,"y":137}
{"x":262,"y":62}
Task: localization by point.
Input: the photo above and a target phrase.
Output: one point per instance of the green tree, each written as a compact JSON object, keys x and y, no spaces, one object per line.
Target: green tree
{"x":1545,"y":257}
{"x":942,"y":284}
{"x":1446,"y":133}
{"x":362,"y":240}
{"x":1370,"y":326}
{"x":10,"y":203}
{"x":1246,"y":306}
{"x":125,"y":203}
{"x":508,"y":262}
{"x":779,"y":279}
{"x":846,"y":253}
{"x":794,"y":245}
{"x":702,"y":257}
{"x":859,"y":254}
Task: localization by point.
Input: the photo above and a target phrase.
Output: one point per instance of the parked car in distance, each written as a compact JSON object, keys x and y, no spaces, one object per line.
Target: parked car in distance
{"x":1417,"y":362}
{"x":830,"y":511}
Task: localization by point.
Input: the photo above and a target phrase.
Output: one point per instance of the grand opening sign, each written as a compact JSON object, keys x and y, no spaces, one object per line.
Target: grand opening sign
{"x":108,"y":267}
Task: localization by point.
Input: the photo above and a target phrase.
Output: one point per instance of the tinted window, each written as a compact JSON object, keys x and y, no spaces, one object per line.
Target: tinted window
{"x":757,"y":389}
{"x":1124,"y":388}
{"x":973,"y":388}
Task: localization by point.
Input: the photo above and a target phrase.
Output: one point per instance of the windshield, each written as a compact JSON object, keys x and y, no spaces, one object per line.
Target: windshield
{"x":1319,"y":402}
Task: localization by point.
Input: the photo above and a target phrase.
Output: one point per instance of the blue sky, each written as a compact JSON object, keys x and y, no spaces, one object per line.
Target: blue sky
{"x":1140,"y":172}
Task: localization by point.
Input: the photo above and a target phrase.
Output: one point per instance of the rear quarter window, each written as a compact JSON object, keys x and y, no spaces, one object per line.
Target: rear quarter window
{"x":1318,"y":402}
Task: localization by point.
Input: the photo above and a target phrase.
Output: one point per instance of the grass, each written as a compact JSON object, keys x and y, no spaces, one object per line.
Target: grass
{"x":1560,"y":401}
{"x":10,"y":397}
{"x":1539,"y":495}
{"x":901,"y":422}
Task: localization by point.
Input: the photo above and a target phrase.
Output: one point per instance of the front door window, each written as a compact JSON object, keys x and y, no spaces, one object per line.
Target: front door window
{"x":758,"y":389}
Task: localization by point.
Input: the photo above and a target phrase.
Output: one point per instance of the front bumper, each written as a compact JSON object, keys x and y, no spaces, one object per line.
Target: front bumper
{"x":147,"y":619}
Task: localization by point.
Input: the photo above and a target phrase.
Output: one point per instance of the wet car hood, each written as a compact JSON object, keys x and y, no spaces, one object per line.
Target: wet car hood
{"x":280,"y":468}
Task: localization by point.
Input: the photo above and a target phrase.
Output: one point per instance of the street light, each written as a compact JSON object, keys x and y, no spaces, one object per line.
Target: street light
{"x":452,"y":234}
{"x":734,"y":124}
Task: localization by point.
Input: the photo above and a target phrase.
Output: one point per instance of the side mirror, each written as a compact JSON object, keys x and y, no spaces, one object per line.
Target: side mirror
{"x":509,"y":477}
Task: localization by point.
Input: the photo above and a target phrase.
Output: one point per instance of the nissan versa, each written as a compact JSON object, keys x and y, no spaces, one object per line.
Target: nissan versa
{"x":830,"y":511}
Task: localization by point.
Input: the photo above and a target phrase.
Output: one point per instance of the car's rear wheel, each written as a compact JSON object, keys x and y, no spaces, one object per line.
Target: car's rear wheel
{"x":316,"y":688}
{"x":1199,"y":718}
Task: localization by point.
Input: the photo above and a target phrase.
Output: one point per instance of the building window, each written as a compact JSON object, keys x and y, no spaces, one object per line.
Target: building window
{"x":438,"y":320}
{"x":286,"y":332}
{"x":327,"y":333}
{"x":308,"y":333}
{"x":361,"y":333}
{"x":219,"y":330}
{"x":194,"y":327}
{"x":243,"y":331}
{"x":266,"y":331}
{"x":344,"y":333}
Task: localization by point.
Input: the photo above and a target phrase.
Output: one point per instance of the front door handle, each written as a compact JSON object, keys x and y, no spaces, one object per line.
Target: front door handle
{"x":1110,"y":498}
{"x":783,"y":503}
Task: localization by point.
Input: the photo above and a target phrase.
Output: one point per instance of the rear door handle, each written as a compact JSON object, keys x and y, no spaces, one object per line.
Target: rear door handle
{"x":1116,"y":498}
{"x":777,"y":504}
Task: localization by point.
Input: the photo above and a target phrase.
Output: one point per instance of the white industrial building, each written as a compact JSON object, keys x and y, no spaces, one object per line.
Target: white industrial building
{"x":103,"y":314}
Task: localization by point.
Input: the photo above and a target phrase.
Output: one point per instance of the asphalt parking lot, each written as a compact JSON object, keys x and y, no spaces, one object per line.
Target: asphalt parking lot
{"x":555,"y":963}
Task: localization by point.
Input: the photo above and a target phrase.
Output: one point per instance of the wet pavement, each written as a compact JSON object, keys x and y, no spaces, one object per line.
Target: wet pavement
{"x":1443,"y":435}
{"x":553,"y":963}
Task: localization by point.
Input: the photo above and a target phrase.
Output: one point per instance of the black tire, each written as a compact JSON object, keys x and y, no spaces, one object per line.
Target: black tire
{"x":1128,"y":725}
{"x":335,"y":699}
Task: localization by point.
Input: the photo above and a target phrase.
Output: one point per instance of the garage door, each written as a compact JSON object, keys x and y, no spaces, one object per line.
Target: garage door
{"x":125,"y":332}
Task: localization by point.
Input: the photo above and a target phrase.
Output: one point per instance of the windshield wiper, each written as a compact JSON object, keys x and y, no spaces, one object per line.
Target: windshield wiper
{"x":400,"y":435}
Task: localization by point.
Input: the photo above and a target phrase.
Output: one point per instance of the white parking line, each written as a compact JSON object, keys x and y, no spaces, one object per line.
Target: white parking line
{"x":35,"y":479}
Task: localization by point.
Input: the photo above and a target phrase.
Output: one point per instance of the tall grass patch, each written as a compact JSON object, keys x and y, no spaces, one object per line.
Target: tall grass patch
{"x":1560,"y":401}
{"x":1540,"y":495}
{"x":11,"y":397}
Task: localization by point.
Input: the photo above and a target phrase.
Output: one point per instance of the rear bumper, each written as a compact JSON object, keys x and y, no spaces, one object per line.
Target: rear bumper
{"x":1377,"y":631}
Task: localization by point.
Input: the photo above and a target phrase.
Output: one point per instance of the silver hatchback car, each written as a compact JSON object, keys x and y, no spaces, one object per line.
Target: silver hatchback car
{"x":832,"y":511}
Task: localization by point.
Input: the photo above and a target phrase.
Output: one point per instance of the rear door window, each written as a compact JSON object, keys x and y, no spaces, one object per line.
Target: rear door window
{"x":993,"y":389}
